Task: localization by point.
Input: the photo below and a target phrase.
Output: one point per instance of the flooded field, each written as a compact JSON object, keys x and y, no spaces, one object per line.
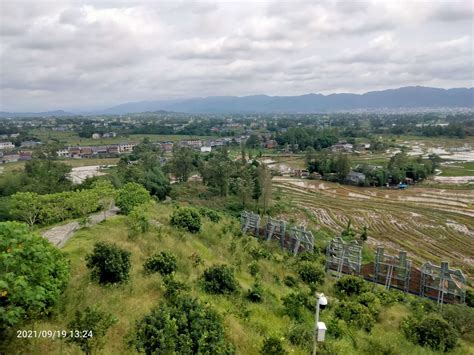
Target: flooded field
{"x":431,"y":224}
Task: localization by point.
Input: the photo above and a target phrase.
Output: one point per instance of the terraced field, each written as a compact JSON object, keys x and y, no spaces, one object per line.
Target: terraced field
{"x":430,"y":224}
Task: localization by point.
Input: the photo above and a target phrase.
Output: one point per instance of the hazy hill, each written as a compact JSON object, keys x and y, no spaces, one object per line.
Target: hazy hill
{"x":407,"y":97}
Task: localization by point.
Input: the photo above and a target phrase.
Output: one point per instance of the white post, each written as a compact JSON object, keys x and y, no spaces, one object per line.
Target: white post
{"x":316,"y":320}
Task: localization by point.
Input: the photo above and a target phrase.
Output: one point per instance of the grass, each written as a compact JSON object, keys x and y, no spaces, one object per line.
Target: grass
{"x":458,"y":169}
{"x":246,"y":323}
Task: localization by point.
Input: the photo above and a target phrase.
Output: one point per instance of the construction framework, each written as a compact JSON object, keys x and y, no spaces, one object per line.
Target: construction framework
{"x":275,"y":229}
{"x":442,"y":283}
{"x":250,"y":223}
{"x":343,"y":257}
{"x":301,"y":240}
{"x":392,"y":270}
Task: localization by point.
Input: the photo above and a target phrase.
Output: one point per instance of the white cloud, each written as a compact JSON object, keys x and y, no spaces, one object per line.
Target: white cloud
{"x":86,"y":54}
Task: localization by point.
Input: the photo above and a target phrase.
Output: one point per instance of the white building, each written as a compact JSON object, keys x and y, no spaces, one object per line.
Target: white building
{"x":6,"y":145}
{"x":206,"y":149}
{"x":95,"y":135}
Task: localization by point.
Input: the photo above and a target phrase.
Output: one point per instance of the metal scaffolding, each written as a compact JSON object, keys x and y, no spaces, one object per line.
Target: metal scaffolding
{"x":344,"y":257}
{"x":250,"y":223}
{"x":275,"y":229}
{"x":301,"y":239}
{"x":442,"y":283}
{"x":389,"y":268}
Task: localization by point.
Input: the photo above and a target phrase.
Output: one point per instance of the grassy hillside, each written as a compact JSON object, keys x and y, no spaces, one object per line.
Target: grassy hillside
{"x":246,"y":323}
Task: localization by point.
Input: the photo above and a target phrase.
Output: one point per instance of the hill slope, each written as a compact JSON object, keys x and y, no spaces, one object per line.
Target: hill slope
{"x":246,"y":323}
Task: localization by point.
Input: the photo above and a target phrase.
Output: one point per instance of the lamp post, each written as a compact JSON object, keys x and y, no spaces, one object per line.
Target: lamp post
{"x":321,"y":300}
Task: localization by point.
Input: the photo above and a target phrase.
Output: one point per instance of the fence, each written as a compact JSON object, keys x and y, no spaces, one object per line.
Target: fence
{"x":440,"y":283}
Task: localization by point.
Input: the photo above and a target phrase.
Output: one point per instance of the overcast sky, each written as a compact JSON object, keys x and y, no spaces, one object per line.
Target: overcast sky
{"x":95,"y":54}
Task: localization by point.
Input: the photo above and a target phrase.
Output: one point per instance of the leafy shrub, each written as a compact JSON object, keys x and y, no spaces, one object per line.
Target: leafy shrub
{"x":294,"y":305}
{"x":173,"y":287}
{"x":219,"y":279}
{"x":431,"y":331}
{"x":138,"y":221}
{"x":470,"y":298}
{"x":196,"y":259}
{"x":336,"y":328}
{"x":259,"y":252}
{"x":460,"y":317}
{"x":371,"y":301}
{"x":355,"y":314}
{"x":184,"y":326}
{"x":421,"y":306}
{"x":253,"y":268}
{"x":310,"y":273}
{"x":255,"y":293}
{"x":388,"y":297}
{"x":272,"y":346}
{"x":109,"y":263}
{"x":95,"y":321}
{"x":301,"y":335}
{"x":212,"y":215}
{"x":33,"y":274}
{"x":290,"y":281}
{"x":130,"y":196}
{"x":186,"y":218}
{"x":349,"y":285}
{"x":165,"y":263}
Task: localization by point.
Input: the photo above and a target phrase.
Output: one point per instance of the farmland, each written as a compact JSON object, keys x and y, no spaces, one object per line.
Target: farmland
{"x":431,"y":224}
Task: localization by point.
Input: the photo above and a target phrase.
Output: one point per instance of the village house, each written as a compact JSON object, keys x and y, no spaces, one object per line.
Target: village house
{"x":6,"y":145}
{"x":355,"y":178}
{"x":96,"y":135}
{"x":342,"y":148}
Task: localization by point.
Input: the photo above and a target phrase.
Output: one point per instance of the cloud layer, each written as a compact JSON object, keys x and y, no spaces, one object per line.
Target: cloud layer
{"x":92,"y":54}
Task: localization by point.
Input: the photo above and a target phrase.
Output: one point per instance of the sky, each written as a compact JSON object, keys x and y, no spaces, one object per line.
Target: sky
{"x":83,"y":55}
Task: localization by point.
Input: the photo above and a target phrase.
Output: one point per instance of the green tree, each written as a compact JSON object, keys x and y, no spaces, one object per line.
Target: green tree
{"x":165,"y":263}
{"x":186,"y":218}
{"x":138,"y":221}
{"x":183,"y":162}
{"x":26,"y":206}
{"x":93,"y":325}
{"x":342,"y":166}
{"x":130,"y":196}
{"x":33,"y":274}
{"x":272,"y":346}
{"x":219,"y":279}
{"x":183,"y":326}
{"x":109,"y":263}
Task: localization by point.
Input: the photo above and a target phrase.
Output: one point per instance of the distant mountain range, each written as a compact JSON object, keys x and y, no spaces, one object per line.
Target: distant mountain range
{"x":411,"y":97}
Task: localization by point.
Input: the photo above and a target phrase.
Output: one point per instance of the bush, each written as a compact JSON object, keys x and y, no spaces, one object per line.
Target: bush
{"x":290,"y":281}
{"x":460,"y":317}
{"x":33,"y":274}
{"x":253,"y":268}
{"x":259,"y":252}
{"x":272,"y":346}
{"x":95,"y":323}
{"x":219,"y":279}
{"x":255,"y":293}
{"x":173,"y":287}
{"x":301,"y":335}
{"x":371,"y":301}
{"x":388,"y":297}
{"x":355,"y":314}
{"x":184,"y":326}
{"x":165,"y":263}
{"x":186,"y":218}
{"x":349,"y":285}
{"x":470,"y":298}
{"x":130,"y":196}
{"x":196,"y":259}
{"x":294,"y":305}
{"x":212,"y":215}
{"x":431,"y":331}
{"x":310,"y":273}
{"x":138,"y":221}
{"x":109,"y":263}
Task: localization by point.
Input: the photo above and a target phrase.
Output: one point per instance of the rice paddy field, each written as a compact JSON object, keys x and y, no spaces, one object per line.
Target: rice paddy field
{"x":431,"y":224}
